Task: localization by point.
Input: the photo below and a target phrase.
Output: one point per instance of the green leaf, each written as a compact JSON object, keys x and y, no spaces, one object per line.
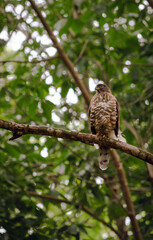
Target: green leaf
{"x":65,"y":88}
{"x":116,"y":211}
{"x":73,"y":229}
{"x":12,"y":150}
{"x":76,"y":26}
{"x":33,"y":107}
{"x":47,"y":107}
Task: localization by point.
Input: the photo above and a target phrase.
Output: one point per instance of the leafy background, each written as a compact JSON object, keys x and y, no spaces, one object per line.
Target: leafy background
{"x":109,"y":41}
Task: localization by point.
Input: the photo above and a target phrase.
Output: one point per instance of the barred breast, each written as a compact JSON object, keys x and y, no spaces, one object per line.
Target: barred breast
{"x":103,"y":114}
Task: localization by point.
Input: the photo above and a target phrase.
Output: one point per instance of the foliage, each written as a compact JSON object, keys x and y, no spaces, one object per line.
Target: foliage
{"x":108,"y":41}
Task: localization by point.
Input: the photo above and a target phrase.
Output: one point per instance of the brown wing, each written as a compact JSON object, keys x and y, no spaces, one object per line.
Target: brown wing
{"x":117,"y":119}
{"x":92,"y":128}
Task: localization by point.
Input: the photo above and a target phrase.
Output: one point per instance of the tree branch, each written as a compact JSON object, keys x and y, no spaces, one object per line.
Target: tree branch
{"x":34,"y":61}
{"x":82,"y":51}
{"x":150,"y":3}
{"x":134,"y":132}
{"x":22,"y":129}
{"x":69,"y":29}
{"x":135,"y":64}
{"x":126,"y":194}
{"x":141,"y":143}
{"x":62,"y":54}
{"x":105,"y":76}
{"x":81,"y":207}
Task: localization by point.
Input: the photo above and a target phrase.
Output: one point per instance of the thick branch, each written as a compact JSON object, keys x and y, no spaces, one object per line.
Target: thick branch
{"x":81,"y":207}
{"x":62,"y":54}
{"x":22,"y":129}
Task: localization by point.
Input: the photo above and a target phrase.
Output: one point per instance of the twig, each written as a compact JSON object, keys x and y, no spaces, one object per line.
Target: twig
{"x":72,"y":33}
{"x":82,"y":51}
{"x":141,"y":143}
{"x":81,"y":207}
{"x":22,"y":129}
{"x":135,"y":64}
{"x":33,"y":62}
{"x":105,"y":76}
{"x":141,"y":96}
{"x":18,"y":26}
{"x":134,"y":132}
{"x":148,"y":131}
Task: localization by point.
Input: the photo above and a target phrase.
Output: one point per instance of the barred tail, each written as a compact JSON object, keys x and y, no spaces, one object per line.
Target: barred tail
{"x":104,"y":158}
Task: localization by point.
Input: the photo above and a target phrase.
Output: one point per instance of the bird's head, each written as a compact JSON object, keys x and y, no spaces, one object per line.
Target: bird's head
{"x":102,"y":88}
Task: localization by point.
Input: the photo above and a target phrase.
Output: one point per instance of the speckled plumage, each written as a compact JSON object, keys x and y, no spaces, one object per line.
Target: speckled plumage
{"x":104,"y":118}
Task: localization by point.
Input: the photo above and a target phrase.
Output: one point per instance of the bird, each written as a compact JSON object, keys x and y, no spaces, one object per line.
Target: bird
{"x":104,"y":119}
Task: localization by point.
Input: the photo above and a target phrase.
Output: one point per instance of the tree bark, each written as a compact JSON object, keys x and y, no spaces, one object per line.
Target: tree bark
{"x":22,"y":129}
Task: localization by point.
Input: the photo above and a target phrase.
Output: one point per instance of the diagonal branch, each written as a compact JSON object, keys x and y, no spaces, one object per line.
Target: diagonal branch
{"x":22,"y":129}
{"x":81,"y":207}
{"x":141,"y":143}
{"x":62,"y":54}
{"x":134,"y":132}
{"x":126,"y":194}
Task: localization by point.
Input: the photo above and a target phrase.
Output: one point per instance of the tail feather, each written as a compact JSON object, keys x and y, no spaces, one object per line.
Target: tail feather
{"x":104,"y":158}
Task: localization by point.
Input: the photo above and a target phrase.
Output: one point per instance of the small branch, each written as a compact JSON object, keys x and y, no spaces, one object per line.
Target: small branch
{"x":62,"y":54}
{"x":135,"y":64}
{"x":82,"y":51}
{"x":141,"y":143}
{"x":33,"y":62}
{"x":81,"y":207}
{"x":134,"y":132}
{"x":148,"y":131}
{"x":72,"y":33}
{"x":23,"y":129}
{"x":141,"y":97}
{"x":105,"y":76}
{"x":18,"y":26}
